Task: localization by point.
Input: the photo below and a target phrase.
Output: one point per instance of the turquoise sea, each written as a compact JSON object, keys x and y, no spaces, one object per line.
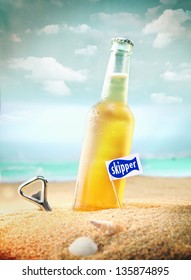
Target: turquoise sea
{"x":64,"y":171}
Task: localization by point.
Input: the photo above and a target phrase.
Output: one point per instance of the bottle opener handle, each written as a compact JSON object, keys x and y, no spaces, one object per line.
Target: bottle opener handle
{"x":39,"y":198}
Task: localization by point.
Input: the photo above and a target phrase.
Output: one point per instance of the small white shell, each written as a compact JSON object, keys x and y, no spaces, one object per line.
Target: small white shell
{"x":107,"y":227}
{"x":83,"y":246}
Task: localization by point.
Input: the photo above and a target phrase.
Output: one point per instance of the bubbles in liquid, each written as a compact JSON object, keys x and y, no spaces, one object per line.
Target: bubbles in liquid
{"x":108,"y":136}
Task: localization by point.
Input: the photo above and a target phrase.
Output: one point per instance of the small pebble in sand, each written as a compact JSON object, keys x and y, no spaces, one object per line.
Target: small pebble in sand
{"x":107,"y":227}
{"x":83,"y":246}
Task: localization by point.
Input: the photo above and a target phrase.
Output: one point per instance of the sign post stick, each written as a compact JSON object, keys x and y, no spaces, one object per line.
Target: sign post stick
{"x":116,"y":195}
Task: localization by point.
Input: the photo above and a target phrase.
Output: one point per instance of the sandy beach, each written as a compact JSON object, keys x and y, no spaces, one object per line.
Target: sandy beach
{"x":156,"y":220}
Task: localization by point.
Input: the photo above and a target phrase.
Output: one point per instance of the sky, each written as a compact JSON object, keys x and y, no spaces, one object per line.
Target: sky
{"x":53,"y":58}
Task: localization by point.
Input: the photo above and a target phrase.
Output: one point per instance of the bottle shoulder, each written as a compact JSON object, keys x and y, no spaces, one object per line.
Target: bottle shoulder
{"x":111,"y":110}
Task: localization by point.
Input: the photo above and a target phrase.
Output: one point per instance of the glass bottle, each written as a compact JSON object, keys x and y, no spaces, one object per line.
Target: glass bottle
{"x":108,"y":135}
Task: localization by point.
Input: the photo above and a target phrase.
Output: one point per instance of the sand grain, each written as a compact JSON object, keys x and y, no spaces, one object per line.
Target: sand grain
{"x":156,"y":218}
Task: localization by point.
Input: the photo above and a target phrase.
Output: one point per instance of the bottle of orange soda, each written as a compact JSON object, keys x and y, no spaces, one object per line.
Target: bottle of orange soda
{"x":108,"y":135}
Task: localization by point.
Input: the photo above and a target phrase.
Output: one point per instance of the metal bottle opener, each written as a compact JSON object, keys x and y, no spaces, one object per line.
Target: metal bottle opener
{"x":39,"y":198}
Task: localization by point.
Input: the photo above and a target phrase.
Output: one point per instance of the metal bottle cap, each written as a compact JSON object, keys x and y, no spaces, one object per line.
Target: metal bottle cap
{"x":122,"y":44}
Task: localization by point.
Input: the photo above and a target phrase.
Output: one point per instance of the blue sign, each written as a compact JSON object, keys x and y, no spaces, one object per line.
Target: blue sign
{"x":124,"y":167}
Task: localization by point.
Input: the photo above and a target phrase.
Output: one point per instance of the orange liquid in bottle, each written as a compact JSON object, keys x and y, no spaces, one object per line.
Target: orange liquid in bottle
{"x":108,"y":136}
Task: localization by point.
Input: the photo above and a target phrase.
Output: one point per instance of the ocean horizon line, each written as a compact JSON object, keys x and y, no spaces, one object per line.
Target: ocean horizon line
{"x":65,"y":180}
{"x":14,"y":171}
{"x":68,"y":160}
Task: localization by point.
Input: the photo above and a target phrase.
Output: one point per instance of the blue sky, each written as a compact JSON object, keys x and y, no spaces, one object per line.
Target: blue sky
{"x":53,"y":58}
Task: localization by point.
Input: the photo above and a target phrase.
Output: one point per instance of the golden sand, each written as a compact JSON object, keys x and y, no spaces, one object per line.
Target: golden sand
{"x":156,"y":218}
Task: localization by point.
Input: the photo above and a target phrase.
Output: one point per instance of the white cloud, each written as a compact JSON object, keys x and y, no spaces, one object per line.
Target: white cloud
{"x":184,"y":65}
{"x":168,"y":26}
{"x":93,"y":1}
{"x":170,"y":20}
{"x":57,"y":3}
{"x":17,"y":3}
{"x":46,"y":68}
{"x":160,"y":97}
{"x":88,"y":51}
{"x":56,"y":87}
{"x":49,"y":29}
{"x":168,"y":2}
{"x":153,"y":12}
{"x":117,"y":24}
{"x":182,"y":73}
{"x":44,"y":124}
{"x":48,"y":72}
{"x":28,"y":30}
{"x":81,"y":28}
{"x":162,"y":40}
{"x":57,"y":28}
{"x":15,"y":116}
{"x":15,"y":38}
{"x":117,"y":19}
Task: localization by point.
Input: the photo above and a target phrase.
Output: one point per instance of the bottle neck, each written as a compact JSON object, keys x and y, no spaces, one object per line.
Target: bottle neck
{"x":115,"y":86}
